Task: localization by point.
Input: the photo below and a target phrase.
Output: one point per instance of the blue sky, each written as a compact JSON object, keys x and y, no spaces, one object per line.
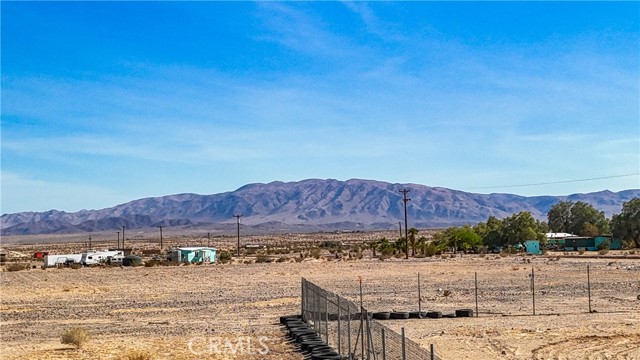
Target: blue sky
{"x":106,"y":102}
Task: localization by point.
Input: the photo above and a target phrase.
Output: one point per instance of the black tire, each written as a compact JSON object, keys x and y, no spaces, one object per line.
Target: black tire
{"x":319,"y":348}
{"x":297,"y":333}
{"x":307,"y":337}
{"x":307,"y":343}
{"x":284,"y":319}
{"x":464,"y":313}
{"x":326,"y":356}
{"x":449,"y":316}
{"x":434,"y":314}
{"x":384,"y":315}
{"x":297,"y":326}
{"x":417,"y":314}
{"x":399,"y":315}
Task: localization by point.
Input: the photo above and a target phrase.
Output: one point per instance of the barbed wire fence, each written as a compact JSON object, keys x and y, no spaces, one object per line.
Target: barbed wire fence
{"x":349,"y":328}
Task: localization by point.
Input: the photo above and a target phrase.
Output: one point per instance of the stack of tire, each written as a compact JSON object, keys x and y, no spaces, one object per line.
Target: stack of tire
{"x":401,"y":315}
{"x":308,"y":341}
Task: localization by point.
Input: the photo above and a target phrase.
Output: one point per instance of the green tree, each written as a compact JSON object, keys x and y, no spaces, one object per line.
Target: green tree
{"x":421,"y":244}
{"x":519,"y":228}
{"x":587,"y":221}
{"x":559,"y":216}
{"x":386,"y":247}
{"x":412,"y":238}
{"x":577,"y":218}
{"x":401,"y":244}
{"x":491,"y":232}
{"x":626,"y":225}
{"x":466,"y":238}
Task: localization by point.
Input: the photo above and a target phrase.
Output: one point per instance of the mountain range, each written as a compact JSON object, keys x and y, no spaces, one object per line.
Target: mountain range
{"x":307,"y":205}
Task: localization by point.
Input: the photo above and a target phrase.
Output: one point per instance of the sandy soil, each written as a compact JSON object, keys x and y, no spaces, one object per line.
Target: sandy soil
{"x":161,"y":309}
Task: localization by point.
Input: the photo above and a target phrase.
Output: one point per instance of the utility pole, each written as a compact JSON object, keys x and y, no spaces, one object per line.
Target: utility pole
{"x":406,"y":235}
{"x":160,"y":237}
{"x":90,"y":247}
{"x":208,"y":239}
{"x":118,"y":239}
{"x":122,"y":238}
{"x":238,"y":221}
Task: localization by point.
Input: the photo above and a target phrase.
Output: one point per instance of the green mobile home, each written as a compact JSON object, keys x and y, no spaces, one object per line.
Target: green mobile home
{"x":592,"y":243}
{"x":195,"y":254}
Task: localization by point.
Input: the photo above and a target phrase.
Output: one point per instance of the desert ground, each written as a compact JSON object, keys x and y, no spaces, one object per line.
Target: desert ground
{"x":173,"y":312}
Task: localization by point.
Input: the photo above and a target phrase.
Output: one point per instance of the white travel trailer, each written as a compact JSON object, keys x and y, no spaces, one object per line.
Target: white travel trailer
{"x":55,"y":260}
{"x":94,"y":257}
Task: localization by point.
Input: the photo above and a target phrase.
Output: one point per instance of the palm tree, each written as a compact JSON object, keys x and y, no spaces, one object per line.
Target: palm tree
{"x":412,"y":237}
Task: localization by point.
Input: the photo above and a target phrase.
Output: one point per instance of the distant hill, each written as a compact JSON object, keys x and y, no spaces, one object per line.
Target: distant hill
{"x":311,"y":204}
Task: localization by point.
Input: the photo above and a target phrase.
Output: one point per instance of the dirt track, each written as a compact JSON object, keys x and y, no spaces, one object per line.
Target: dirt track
{"x":160,"y":309}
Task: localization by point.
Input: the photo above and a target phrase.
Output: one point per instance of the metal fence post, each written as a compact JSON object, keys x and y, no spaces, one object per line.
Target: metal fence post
{"x":589,"y":288}
{"x":433,"y":352}
{"x":384,"y":346}
{"x":339,"y":333}
{"x":326,"y":317}
{"x":419,"y":298}
{"x":476,"y":282}
{"x":533,"y":289}
{"x":349,"y":330}
{"x":404,"y":346}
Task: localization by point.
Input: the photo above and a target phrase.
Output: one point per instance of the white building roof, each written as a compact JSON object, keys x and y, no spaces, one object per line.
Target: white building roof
{"x":559,"y":235}
{"x":196,"y":248}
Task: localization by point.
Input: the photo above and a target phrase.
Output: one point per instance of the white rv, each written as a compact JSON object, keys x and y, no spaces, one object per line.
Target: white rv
{"x":94,"y":257}
{"x":55,"y":260}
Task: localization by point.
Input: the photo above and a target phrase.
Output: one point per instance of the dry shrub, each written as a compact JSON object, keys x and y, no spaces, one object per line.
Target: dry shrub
{"x":261,"y":258}
{"x":76,"y":337}
{"x":137,"y":355}
{"x":152,"y":263}
{"x":17,"y":266}
{"x":581,"y":251}
{"x":315,"y":253}
{"x":603,"y":251}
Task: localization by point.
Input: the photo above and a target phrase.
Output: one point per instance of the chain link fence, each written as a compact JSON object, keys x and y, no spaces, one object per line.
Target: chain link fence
{"x":352,"y":332}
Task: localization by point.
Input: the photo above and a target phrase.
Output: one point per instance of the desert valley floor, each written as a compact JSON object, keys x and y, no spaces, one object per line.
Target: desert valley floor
{"x":160,"y":309}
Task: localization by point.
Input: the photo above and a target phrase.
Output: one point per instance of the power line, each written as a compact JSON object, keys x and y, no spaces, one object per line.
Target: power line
{"x":556,"y":182}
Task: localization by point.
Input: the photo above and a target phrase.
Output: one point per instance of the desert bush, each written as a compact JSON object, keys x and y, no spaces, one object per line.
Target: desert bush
{"x":430,"y":250}
{"x":137,"y":355}
{"x":330,"y":244}
{"x":632,"y":252}
{"x":152,"y":263}
{"x":17,"y":266}
{"x":261,"y":258}
{"x":75,"y":265}
{"x":76,"y":337}
{"x":581,"y":251}
{"x":315,"y":253}
{"x":282,"y":259}
{"x":224,"y":257}
{"x":603,"y":251}
{"x":504,"y":254}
